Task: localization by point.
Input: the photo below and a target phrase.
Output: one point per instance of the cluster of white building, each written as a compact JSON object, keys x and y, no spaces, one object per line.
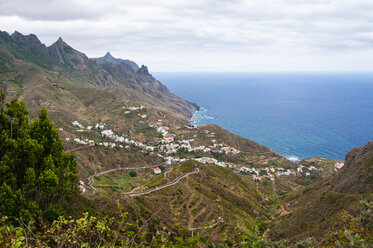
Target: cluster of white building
{"x":128,"y":110}
{"x":208,"y":160}
{"x":272,"y":172}
{"x":134,"y":108}
{"x":100,"y":126}
{"x":82,"y":128}
{"x":108,"y":133}
{"x":166,"y":146}
{"x":83,"y":141}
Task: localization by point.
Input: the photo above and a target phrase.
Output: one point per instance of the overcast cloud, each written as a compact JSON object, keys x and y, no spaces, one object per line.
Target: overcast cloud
{"x":207,"y":35}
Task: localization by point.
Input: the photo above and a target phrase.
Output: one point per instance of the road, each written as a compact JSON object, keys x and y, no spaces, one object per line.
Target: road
{"x":176,"y":180}
{"x":90,"y":178}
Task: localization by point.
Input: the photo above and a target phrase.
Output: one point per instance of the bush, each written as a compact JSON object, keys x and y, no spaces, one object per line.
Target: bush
{"x":133,"y":174}
{"x":349,"y":231}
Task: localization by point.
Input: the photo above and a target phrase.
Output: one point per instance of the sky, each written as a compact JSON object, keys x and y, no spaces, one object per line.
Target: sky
{"x":206,"y":35}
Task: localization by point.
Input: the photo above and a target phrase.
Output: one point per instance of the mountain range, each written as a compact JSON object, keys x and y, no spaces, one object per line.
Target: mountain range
{"x":137,"y":83}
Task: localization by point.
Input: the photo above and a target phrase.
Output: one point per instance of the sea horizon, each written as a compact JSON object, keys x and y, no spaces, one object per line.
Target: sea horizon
{"x":296,"y":114}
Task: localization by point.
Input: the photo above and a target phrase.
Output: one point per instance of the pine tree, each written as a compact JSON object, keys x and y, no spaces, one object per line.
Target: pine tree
{"x":37,"y":179}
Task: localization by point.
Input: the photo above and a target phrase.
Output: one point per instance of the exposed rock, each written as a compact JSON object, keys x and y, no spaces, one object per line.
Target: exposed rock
{"x":143,"y":70}
{"x":28,"y":40}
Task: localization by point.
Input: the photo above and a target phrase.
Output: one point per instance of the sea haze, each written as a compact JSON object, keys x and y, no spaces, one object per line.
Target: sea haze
{"x":299,"y":115}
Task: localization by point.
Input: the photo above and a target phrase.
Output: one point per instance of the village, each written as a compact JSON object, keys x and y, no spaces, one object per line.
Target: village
{"x":170,"y":146}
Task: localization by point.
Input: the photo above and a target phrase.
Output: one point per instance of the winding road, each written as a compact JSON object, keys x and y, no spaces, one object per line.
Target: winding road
{"x":176,"y":180}
{"x":90,"y":178}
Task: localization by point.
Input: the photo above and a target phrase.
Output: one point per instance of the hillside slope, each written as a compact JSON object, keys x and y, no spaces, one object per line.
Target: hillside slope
{"x":310,"y":211}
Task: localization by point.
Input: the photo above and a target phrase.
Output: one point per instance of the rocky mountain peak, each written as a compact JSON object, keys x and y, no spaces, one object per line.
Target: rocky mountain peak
{"x":109,"y":58}
{"x":59,"y":50}
{"x":29,"y":40}
{"x":60,"y":43}
{"x":143,"y":70}
{"x":108,"y":55}
{"x":17,"y":35}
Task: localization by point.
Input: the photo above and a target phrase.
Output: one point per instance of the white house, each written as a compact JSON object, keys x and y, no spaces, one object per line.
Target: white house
{"x":157,"y":171}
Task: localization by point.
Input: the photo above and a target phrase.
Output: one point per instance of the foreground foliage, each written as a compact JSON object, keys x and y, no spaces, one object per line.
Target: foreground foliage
{"x":349,"y":231}
{"x":37,"y":179}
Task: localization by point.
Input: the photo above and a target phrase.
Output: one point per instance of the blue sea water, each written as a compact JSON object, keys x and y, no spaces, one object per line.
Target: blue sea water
{"x":298,"y":115}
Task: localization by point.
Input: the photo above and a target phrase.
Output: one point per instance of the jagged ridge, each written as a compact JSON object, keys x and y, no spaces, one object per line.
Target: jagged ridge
{"x":75,"y":65}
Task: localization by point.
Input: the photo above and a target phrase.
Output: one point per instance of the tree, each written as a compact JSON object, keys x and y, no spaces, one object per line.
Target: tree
{"x":37,"y":179}
{"x":133,"y":174}
{"x":2,"y":95}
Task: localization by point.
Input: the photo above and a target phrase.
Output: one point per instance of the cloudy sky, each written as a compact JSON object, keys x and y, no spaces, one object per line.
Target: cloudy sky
{"x":207,"y":35}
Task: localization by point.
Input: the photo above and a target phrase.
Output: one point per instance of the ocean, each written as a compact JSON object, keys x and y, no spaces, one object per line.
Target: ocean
{"x":298,"y":115}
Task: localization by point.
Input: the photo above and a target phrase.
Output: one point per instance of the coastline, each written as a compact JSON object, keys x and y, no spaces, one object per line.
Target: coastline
{"x":202,"y":113}
{"x":298,"y":115}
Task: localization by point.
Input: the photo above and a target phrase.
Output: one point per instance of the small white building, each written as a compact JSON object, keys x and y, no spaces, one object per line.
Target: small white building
{"x":157,"y":171}
{"x":338,"y":166}
{"x":81,"y":187}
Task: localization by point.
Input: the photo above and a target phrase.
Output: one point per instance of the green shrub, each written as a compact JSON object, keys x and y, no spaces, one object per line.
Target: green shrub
{"x":133,"y":174}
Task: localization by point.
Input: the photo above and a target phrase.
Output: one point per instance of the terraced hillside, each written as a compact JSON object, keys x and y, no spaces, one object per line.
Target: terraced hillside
{"x":216,"y":203}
